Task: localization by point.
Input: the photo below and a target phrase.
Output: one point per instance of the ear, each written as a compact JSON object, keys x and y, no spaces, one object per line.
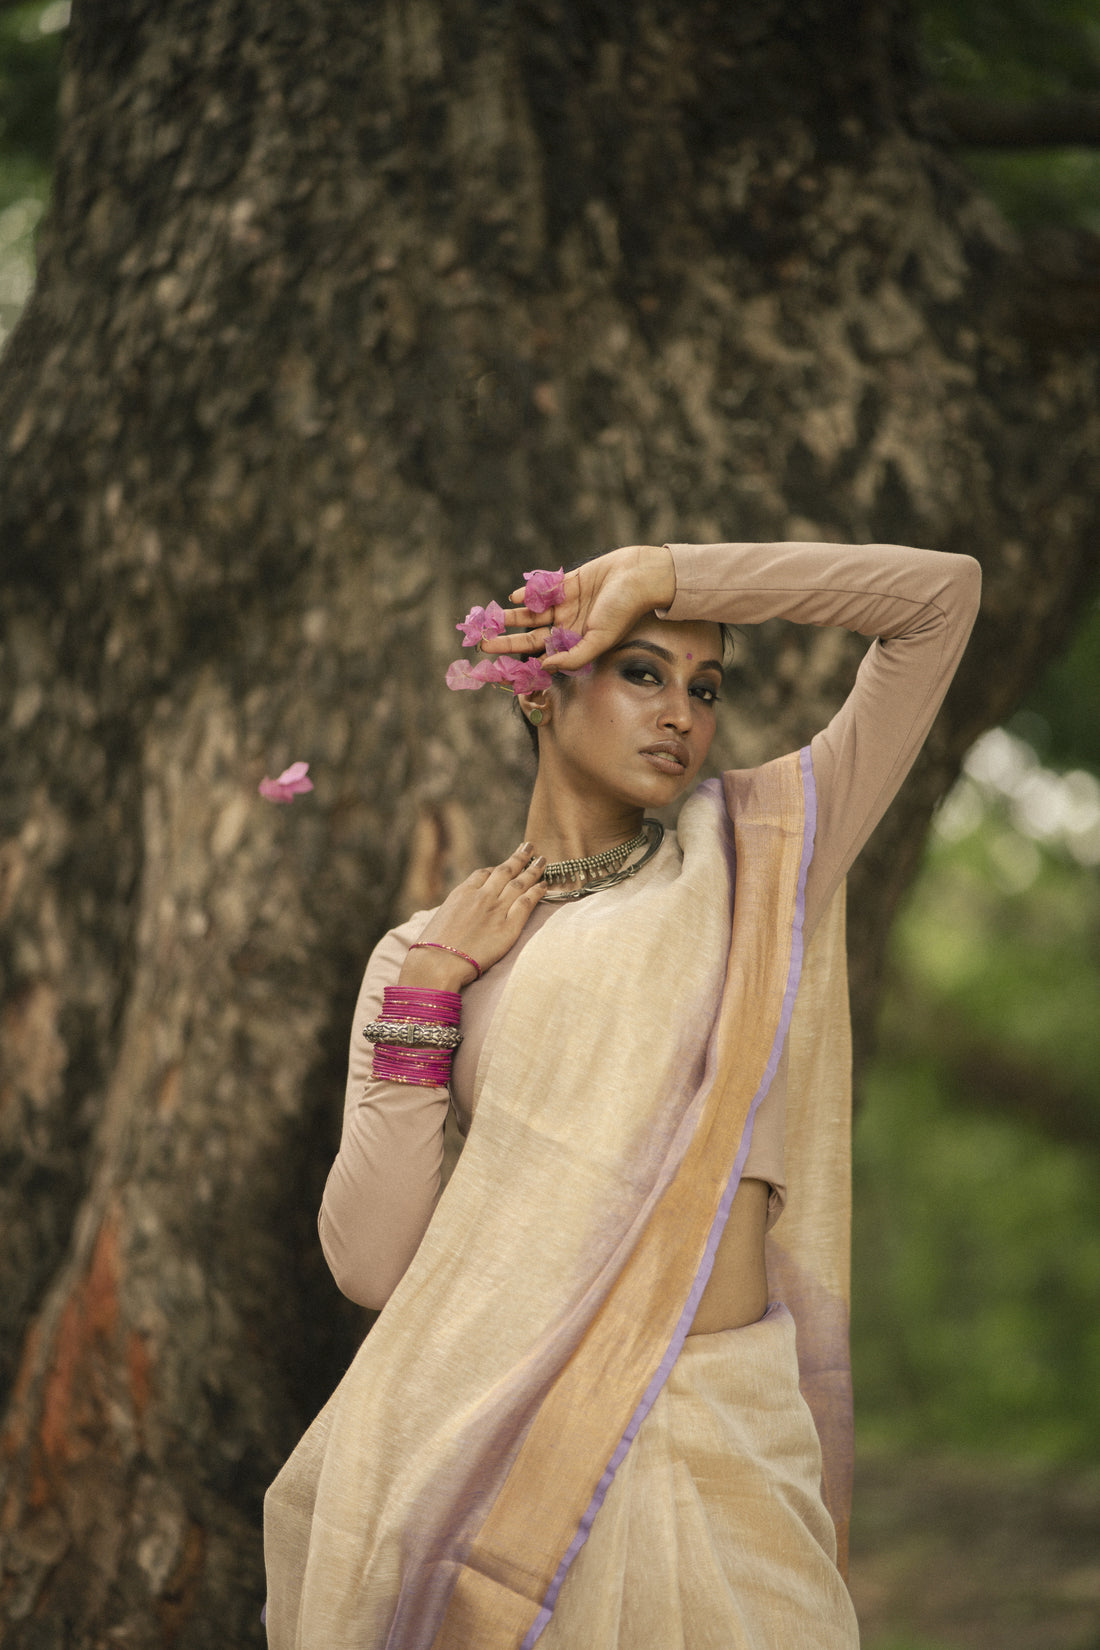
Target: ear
{"x":535,"y":707}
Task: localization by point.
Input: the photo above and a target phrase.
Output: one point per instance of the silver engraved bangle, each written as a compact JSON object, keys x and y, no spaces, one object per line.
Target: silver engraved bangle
{"x":412,"y":1034}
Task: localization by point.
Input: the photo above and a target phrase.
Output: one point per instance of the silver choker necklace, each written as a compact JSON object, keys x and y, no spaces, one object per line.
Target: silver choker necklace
{"x":603,"y":870}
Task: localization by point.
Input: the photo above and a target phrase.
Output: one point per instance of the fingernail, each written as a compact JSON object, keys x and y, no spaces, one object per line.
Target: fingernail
{"x":539,"y":859}
{"x":524,"y":848}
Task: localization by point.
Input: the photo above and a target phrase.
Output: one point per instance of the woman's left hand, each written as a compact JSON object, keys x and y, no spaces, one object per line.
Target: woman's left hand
{"x":603,"y":600}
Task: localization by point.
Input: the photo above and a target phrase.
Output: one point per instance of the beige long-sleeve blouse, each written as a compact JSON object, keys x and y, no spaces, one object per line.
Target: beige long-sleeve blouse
{"x":920,"y":606}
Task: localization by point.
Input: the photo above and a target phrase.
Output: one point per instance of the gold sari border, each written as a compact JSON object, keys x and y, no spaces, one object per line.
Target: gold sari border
{"x":706,"y":1265}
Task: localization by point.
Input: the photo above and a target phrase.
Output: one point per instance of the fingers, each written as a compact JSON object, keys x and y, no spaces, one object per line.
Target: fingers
{"x":528,"y":888}
{"x":510,"y":868}
{"x":520,"y":873}
{"x":590,"y":646}
{"x":569,"y":585}
{"x":530,"y":897}
{"x":530,"y":641}
{"x":534,"y":614}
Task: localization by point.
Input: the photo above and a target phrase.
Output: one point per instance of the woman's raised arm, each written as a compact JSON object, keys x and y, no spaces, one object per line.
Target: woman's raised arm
{"x":920,"y":606}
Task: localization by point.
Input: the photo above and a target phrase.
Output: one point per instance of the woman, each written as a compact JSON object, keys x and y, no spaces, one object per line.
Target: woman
{"x":578,"y":1420}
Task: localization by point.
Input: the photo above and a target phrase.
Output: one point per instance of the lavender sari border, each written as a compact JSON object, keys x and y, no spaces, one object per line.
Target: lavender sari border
{"x":706,"y":1264}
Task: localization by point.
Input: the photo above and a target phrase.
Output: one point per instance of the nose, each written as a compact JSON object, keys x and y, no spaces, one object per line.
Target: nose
{"x":678,"y":710}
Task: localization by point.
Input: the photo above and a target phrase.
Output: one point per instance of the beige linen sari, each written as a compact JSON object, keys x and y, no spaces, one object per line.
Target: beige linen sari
{"x":441,"y":1496}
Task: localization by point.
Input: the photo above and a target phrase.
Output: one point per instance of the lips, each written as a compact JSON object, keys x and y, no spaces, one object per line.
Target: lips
{"x":669,"y":755}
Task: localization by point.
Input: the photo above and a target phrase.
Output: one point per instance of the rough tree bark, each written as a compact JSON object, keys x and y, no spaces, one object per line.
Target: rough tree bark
{"x":345,"y":315}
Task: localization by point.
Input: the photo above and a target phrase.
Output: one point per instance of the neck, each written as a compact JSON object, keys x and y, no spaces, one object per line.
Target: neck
{"x":564,"y":826}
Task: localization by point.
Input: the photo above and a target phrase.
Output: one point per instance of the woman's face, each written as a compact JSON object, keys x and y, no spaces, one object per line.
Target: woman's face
{"x":639,"y":728}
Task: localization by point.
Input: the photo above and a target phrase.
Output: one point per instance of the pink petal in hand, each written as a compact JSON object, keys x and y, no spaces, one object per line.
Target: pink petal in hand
{"x":561,"y":640}
{"x":543,"y":590}
{"x":462,"y":674}
{"x":292,"y":782}
{"x":481,"y":622}
{"x":528,"y":676}
{"x":506,"y":671}
{"x":502,"y":670}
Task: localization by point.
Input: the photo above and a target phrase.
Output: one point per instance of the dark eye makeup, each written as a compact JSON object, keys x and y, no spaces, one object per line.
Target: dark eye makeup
{"x":642,"y":670}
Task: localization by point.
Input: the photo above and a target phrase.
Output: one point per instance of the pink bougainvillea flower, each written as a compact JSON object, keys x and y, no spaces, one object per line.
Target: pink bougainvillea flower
{"x":292,"y":782}
{"x":515,"y":675}
{"x":528,"y":676}
{"x":561,"y":640}
{"x":462,"y":674}
{"x":501,"y":669}
{"x":543,"y":590}
{"x":481,"y":622}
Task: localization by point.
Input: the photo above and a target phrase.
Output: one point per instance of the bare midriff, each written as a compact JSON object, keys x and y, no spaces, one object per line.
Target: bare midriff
{"x":737,"y":1290}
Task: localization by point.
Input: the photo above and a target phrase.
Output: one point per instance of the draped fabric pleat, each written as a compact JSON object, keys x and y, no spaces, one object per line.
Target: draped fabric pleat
{"x":714,"y":1535}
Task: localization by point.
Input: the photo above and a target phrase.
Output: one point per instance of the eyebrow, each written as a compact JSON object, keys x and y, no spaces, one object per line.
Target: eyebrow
{"x":669,"y":658}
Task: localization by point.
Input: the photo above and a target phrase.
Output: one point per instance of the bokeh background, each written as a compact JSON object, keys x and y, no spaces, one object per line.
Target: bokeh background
{"x":976,"y":1327}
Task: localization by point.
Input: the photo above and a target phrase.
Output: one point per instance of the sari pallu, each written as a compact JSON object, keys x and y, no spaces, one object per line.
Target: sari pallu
{"x":441,"y":1495}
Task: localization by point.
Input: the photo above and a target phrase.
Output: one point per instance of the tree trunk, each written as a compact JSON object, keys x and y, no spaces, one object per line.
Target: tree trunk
{"x":346,"y":315}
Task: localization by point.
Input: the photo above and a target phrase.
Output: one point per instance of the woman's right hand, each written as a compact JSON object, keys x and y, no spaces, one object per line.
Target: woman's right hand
{"x":484,"y":917}
{"x":603,"y":599}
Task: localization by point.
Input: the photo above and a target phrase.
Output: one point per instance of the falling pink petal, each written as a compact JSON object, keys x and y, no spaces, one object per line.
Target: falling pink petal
{"x":292,"y":782}
{"x":291,"y":776}
{"x":481,"y":622}
{"x":543,"y":589}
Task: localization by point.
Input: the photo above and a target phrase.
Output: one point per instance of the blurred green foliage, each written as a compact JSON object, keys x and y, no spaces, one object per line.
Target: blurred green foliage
{"x":30,"y":60}
{"x":1041,"y":187}
{"x":1062,"y":717}
{"x":976,"y":1241}
{"x":1012,"y":48}
{"x":977,"y":1235}
{"x":1015,"y":51}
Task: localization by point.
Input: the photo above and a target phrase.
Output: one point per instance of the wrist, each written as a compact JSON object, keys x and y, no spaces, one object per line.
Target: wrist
{"x":434,"y":971}
{"x":415,"y":1036}
{"x":658,"y":571}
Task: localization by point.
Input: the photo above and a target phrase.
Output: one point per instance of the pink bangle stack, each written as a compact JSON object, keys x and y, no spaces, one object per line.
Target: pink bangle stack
{"x":406,"y":1002}
{"x":416,"y":1010}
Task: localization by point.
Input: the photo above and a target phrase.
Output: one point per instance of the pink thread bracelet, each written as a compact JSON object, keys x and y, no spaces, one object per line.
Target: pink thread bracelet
{"x":437,"y":945}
